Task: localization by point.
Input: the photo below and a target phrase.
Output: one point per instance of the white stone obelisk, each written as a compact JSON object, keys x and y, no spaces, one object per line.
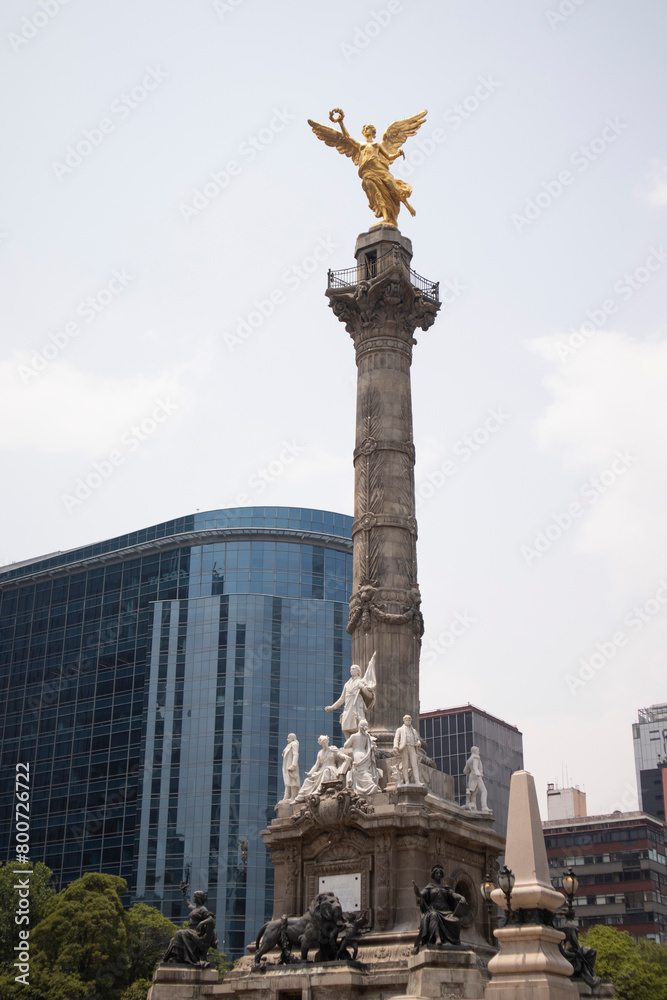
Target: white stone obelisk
{"x":529,"y":965}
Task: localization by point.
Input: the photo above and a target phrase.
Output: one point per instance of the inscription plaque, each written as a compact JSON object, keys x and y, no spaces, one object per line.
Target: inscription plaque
{"x":346,"y":887}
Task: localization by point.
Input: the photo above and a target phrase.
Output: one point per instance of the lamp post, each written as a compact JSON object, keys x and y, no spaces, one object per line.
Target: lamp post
{"x":570,"y":884}
{"x":506,"y":883}
{"x":486,"y":888}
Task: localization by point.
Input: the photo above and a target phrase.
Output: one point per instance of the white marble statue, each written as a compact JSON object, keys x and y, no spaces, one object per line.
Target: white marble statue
{"x":474,"y":772}
{"x":406,"y":743}
{"x":325,"y":768}
{"x":362,"y":773}
{"x":291,"y":775}
{"x":358,"y":695}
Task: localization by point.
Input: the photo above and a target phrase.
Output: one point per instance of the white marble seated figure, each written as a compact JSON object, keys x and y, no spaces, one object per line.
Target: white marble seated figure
{"x":406,"y":744}
{"x":362,"y":773}
{"x":357,"y":697}
{"x":474,"y":772}
{"x":325,"y":769}
{"x":291,"y":775}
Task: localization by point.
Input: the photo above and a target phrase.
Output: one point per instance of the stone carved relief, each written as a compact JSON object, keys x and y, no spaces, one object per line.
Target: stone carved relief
{"x":337,"y":845}
{"x":383,"y":910}
{"x":291,"y":879}
{"x":412,"y":842}
{"x":369,"y":486}
{"x":491,"y":866}
{"x":460,"y":855}
{"x":368,"y":307}
{"x":365,"y":610}
{"x":334,"y":806}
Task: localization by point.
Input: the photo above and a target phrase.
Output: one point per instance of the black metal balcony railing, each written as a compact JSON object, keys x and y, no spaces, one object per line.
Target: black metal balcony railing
{"x":347,"y":277}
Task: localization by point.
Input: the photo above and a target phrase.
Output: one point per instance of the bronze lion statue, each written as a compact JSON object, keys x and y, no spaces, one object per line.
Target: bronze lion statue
{"x":317,"y":928}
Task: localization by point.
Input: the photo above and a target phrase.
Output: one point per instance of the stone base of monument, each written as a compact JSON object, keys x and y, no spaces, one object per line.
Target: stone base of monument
{"x":434,"y":975}
{"x":530,"y":966}
{"x":447,"y":972}
{"x":386,"y":967}
{"x":172,"y":981}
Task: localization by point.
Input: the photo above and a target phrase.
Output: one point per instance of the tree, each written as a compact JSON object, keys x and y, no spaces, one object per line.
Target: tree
{"x":149,"y":933}
{"x":84,"y":933}
{"x":41,"y":890}
{"x":86,"y":947}
{"x":137,"y":991}
{"x":637,"y":970}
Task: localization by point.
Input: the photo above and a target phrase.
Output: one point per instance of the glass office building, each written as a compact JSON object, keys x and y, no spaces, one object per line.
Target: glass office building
{"x":150,"y":682}
{"x":649,"y":735}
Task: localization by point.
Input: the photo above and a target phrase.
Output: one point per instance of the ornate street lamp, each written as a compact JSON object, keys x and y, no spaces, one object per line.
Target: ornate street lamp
{"x":506,"y":883}
{"x":570,"y":884}
{"x":487,"y":888}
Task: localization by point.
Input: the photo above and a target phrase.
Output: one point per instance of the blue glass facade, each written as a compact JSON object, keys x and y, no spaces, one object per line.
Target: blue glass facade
{"x":151,"y":680}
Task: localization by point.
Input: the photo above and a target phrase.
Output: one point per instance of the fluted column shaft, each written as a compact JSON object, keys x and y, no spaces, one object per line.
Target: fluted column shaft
{"x":381,"y":314}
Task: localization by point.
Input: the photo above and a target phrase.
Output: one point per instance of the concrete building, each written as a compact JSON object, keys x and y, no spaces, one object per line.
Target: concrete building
{"x":649,"y":735}
{"x":150,"y":682}
{"x":563,"y":803}
{"x":621,"y":863}
{"x":449,"y":734}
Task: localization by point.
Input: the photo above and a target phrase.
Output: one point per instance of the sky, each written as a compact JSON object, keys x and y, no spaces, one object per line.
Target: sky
{"x":165,"y":237}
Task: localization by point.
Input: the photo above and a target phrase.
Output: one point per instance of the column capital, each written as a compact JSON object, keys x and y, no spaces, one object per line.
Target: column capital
{"x":383,"y":313}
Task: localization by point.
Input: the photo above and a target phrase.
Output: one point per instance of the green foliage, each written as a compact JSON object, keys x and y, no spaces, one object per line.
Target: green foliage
{"x":85,"y":946}
{"x":149,"y":934}
{"x":137,"y":991}
{"x":40,"y":892}
{"x":84,"y":932}
{"x":218,"y":960}
{"x":637,"y":970}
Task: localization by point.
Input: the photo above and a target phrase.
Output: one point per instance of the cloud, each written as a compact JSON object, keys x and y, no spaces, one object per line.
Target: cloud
{"x":65,"y":410}
{"x":655,"y":191}
{"x":608,"y":399}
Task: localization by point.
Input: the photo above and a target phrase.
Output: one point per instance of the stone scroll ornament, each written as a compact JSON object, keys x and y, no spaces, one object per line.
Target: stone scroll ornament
{"x":385,"y":192}
{"x":190,"y":946}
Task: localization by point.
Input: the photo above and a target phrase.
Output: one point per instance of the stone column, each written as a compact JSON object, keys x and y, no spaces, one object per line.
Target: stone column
{"x":381,"y":311}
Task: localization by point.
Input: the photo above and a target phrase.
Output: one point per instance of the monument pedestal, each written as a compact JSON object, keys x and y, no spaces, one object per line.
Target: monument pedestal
{"x":451,"y":972}
{"x":181,"y":982}
{"x":368,"y":852}
{"x":530,"y":966}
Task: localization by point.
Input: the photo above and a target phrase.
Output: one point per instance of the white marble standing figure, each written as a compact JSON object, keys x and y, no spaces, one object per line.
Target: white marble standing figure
{"x":357,"y":696}
{"x":291,"y":775}
{"x":325,"y":768}
{"x":407,"y":742}
{"x":474,"y":772}
{"x":362,"y":776}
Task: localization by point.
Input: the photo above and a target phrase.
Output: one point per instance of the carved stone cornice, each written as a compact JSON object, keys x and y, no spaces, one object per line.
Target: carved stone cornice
{"x":389,"y":307}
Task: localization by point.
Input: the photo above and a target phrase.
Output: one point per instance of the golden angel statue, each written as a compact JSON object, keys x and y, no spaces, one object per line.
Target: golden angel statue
{"x":385,"y":193}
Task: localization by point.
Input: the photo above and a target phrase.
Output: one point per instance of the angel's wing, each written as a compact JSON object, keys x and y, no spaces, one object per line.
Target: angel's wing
{"x":398,"y":132}
{"x":344,"y":143}
{"x":370,"y":680}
